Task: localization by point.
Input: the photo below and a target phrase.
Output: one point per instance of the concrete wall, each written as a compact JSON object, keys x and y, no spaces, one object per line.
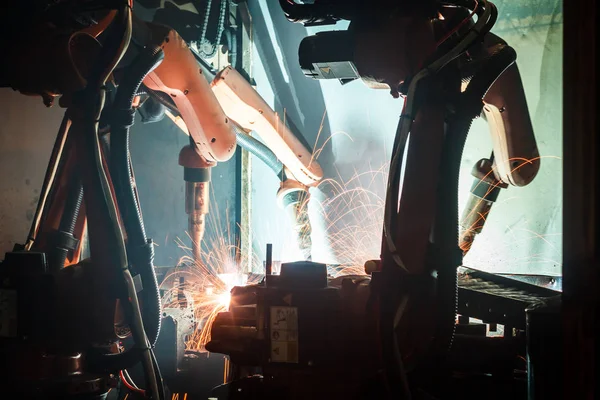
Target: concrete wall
{"x":523,"y":232}
{"x":27,"y":133}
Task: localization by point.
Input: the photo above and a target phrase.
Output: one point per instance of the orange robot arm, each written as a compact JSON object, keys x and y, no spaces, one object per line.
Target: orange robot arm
{"x":516,"y":158}
{"x":248,"y":109}
{"x":180,"y":77}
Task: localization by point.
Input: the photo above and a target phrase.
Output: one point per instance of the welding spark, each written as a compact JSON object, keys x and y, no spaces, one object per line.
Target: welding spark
{"x":207,"y":282}
{"x":353,"y":214}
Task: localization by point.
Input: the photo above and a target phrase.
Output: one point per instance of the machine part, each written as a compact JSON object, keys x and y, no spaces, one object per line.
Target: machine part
{"x":196,"y":205}
{"x":544,"y":362}
{"x":358,"y":51}
{"x":196,"y":173}
{"x":231,"y":43}
{"x":57,"y":63}
{"x":516,"y":155}
{"x":514,"y":169}
{"x":484,"y":192}
{"x":293,"y":197}
{"x":139,"y":248}
{"x":499,"y":299}
{"x":244,"y":105}
{"x":297,"y":326}
{"x":210,"y":129}
{"x":55,"y":377}
{"x":152,"y":111}
{"x":328,"y":55}
{"x":206,"y":48}
{"x":269,"y":260}
{"x":321,"y":13}
{"x":64,"y":239}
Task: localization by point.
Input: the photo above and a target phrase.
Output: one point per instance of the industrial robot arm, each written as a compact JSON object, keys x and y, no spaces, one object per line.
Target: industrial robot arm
{"x":206,"y":115}
{"x":180,"y":77}
{"x":515,"y":159}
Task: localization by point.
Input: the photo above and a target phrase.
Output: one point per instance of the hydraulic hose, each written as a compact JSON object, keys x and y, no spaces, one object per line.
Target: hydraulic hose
{"x":262,"y":152}
{"x":139,"y":247}
{"x":446,"y":227}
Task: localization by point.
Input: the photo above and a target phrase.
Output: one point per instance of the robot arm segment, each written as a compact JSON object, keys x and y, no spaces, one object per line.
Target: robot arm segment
{"x":180,"y":77}
{"x":244,"y":105}
{"x":515,"y":154}
{"x":515,"y":150}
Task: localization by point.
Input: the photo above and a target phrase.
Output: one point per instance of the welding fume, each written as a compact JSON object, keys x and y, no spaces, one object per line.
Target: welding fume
{"x":86,"y":312}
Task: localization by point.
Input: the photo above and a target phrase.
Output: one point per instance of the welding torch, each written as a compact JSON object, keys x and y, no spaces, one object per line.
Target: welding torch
{"x":196,"y":174}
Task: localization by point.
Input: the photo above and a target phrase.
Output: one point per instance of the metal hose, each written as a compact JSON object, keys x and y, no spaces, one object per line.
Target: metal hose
{"x":258,"y":149}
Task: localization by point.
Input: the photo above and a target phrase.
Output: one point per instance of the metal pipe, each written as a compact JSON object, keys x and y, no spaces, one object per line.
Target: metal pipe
{"x":51,"y":172}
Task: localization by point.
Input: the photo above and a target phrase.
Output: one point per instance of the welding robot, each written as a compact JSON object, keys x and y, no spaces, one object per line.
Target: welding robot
{"x":391,"y":333}
{"x":103,"y":64}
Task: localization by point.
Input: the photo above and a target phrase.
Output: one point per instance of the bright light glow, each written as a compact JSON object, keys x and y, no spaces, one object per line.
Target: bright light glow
{"x":224,"y":299}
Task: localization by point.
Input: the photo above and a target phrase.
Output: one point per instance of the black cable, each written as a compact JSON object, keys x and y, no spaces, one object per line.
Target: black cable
{"x":159,"y":378}
{"x":139,"y":247}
